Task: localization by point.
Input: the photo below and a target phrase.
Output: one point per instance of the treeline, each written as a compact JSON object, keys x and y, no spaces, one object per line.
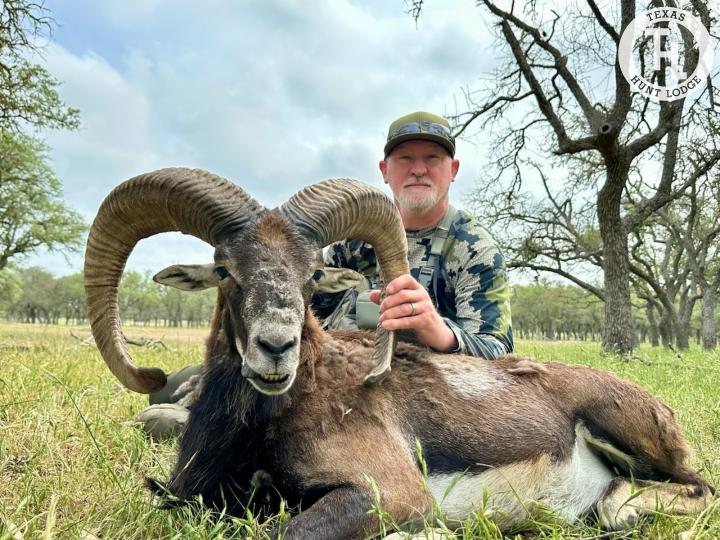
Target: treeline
{"x":34,"y":295}
{"x":555,"y":312}
{"x":546,"y":310}
{"x":542,"y":310}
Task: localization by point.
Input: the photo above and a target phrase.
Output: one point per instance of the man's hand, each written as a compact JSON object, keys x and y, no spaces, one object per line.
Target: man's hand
{"x":407,"y":306}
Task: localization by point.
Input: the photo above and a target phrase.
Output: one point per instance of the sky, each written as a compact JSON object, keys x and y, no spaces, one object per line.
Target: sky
{"x":271,"y":94}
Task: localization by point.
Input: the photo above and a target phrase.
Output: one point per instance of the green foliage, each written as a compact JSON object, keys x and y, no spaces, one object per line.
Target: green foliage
{"x":32,"y":213}
{"x":139,"y":297}
{"x":28,"y":96}
{"x":34,"y":295}
{"x":10,"y":288}
{"x":28,"y":93}
{"x":36,"y":303}
{"x":141,"y":300}
{"x":554,"y":311}
{"x":589,"y":239}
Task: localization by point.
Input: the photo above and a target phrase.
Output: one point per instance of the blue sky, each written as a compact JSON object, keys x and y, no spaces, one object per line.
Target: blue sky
{"x":272,"y":94}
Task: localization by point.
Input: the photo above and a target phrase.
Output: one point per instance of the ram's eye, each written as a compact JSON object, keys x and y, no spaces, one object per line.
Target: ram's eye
{"x":221,"y":272}
{"x":317,"y":276}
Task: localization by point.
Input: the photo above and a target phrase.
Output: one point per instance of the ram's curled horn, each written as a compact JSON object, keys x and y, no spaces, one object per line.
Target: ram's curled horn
{"x":190,"y":201}
{"x":335,"y":209}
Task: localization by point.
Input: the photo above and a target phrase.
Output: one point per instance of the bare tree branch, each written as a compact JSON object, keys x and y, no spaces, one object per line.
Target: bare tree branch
{"x":591,"y":115}
{"x":603,"y":22}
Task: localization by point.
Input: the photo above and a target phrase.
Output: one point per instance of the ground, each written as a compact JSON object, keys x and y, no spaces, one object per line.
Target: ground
{"x":72,"y":464}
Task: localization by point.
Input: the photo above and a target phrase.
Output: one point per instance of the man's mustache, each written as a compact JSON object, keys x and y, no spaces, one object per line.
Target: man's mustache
{"x":422,"y":180}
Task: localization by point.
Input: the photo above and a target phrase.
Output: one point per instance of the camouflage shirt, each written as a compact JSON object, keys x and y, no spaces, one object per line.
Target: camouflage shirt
{"x":472,"y":285}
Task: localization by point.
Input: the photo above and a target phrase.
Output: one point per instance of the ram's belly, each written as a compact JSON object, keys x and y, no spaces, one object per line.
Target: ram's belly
{"x":511,"y":493}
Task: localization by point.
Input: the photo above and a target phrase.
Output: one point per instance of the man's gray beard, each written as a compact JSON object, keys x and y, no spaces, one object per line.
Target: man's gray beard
{"x":420,"y":206}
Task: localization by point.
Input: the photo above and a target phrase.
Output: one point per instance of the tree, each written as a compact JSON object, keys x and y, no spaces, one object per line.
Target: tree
{"x":689,"y":264}
{"x":139,"y":297}
{"x":70,"y":298}
{"x":10,"y":289}
{"x":562,"y":87}
{"x":32,"y":214}
{"x":28,"y":93}
{"x":35,"y":302}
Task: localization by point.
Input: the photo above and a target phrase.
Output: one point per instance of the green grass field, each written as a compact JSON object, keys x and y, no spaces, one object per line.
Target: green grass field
{"x":72,"y":464}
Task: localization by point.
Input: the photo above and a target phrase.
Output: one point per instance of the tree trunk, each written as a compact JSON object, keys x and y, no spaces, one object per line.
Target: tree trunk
{"x":709,"y":329}
{"x":682,"y":337}
{"x":619,"y":334}
{"x":653,"y":326}
{"x":667,"y":335}
{"x":682,"y":323}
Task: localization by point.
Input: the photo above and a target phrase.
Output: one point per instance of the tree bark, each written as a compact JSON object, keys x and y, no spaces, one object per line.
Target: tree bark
{"x":682,"y":337}
{"x":653,"y":326}
{"x":619,"y":334}
{"x":667,"y":334}
{"x":709,"y":329}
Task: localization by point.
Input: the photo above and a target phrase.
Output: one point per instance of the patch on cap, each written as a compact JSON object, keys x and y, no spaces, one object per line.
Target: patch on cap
{"x":420,"y":125}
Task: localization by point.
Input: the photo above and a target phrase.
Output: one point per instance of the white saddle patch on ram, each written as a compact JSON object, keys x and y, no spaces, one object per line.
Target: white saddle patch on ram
{"x":510,"y":494}
{"x":471,"y":380}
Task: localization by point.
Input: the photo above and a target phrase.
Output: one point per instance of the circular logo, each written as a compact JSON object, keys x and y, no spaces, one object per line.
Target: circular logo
{"x":645,"y":25}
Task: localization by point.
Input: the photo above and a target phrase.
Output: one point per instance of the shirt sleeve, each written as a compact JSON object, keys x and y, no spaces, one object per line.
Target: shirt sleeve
{"x":482,"y":322}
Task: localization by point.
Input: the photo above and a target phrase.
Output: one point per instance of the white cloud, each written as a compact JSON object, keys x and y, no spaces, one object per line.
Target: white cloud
{"x":271,"y":94}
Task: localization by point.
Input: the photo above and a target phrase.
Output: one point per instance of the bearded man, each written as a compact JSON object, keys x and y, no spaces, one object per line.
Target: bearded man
{"x":456,"y":297}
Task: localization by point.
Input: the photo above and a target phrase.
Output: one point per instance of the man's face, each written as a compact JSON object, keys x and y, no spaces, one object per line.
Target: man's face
{"x":419,"y":174}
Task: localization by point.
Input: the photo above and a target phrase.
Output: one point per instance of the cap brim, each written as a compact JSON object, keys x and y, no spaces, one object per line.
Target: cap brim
{"x":391,"y":144}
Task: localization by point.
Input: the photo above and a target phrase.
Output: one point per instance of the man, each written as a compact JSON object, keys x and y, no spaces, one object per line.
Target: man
{"x":456,"y":298}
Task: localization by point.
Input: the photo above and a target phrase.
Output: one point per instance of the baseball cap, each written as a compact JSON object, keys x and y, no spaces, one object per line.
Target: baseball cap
{"x":420,"y":125}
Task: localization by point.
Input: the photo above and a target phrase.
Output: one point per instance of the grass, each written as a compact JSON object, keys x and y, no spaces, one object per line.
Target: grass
{"x":72,"y":464}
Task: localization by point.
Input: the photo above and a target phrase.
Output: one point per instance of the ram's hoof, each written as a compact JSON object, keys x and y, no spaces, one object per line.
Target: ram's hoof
{"x":163,"y":420}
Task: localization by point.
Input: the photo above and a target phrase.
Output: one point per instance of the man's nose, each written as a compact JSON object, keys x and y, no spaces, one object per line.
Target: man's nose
{"x":418,"y":168}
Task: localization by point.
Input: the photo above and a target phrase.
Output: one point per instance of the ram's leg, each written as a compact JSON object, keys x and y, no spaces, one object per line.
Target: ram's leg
{"x":647,"y":439}
{"x":342,"y":513}
{"x":625,"y":502}
{"x":374,"y":460}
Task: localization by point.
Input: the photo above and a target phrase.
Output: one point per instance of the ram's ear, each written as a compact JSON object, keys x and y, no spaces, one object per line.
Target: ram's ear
{"x":332,"y":280}
{"x":188,"y":277}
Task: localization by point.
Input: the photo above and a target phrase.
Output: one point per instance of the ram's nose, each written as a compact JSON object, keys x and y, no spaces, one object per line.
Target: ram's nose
{"x":275,"y":346}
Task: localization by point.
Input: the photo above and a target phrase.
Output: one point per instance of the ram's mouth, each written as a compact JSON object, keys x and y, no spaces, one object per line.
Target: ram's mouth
{"x":273,"y":378}
{"x":271,"y":383}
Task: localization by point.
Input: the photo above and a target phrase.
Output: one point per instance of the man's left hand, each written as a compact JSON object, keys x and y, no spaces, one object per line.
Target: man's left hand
{"x":408,"y":306}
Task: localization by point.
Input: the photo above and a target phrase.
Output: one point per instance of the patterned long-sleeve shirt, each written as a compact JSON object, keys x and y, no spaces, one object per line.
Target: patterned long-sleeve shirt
{"x":473,"y":291}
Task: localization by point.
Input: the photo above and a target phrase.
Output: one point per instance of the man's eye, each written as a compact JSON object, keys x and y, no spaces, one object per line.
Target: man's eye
{"x":221,"y":272}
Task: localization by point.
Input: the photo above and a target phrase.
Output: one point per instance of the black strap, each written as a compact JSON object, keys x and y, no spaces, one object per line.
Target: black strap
{"x":429,"y":272}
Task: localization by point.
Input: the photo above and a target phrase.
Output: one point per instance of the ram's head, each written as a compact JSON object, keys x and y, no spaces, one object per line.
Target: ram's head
{"x":267,"y":262}
{"x":266,"y":294}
